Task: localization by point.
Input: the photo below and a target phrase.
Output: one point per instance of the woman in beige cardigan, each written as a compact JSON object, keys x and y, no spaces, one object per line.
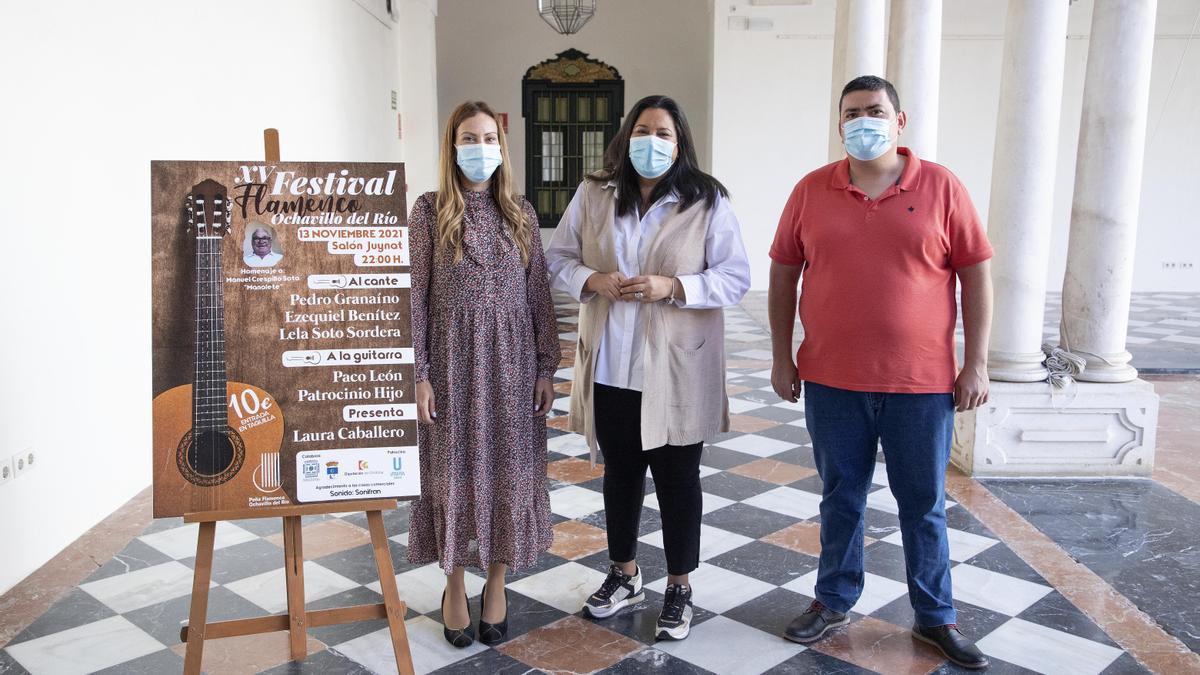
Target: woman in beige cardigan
{"x":652,"y":250}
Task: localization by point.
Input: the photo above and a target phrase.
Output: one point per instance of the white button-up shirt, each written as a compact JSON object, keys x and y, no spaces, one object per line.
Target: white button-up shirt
{"x":269,"y":260}
{"x":723,"y":283}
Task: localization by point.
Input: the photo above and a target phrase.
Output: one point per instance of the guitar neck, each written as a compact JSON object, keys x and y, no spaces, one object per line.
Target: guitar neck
{"x":209,"y":408}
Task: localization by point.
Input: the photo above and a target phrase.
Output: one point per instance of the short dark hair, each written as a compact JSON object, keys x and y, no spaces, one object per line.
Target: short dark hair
{"x":870,"y":83}
{"x":684,"y":177}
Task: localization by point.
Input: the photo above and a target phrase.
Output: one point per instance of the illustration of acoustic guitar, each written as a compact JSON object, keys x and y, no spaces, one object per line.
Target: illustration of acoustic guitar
{"x":216,"y":442}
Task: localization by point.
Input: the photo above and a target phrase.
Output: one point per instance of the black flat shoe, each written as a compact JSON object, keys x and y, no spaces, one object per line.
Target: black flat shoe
{"x":814,"y":623}
{"x":492,"y":633}
{"x":459,"y":637}
{"x":955,"y":646}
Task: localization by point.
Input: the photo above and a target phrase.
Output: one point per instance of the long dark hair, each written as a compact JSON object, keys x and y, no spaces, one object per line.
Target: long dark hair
{"x":684,"y":177}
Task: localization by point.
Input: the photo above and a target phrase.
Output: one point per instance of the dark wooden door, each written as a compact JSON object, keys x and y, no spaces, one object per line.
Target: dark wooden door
{"x":572,"y":109}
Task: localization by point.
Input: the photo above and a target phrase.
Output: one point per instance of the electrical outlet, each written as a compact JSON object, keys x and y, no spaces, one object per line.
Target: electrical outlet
{"x":6,"y":471}
{"x":23,"y":462}
{"x":1178,"y":265}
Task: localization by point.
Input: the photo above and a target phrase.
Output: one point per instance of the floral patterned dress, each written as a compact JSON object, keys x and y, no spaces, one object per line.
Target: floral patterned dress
{"x":484,"y":330}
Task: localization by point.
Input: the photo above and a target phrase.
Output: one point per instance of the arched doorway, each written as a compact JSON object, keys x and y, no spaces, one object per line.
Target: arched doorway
{"x":572,"y":107}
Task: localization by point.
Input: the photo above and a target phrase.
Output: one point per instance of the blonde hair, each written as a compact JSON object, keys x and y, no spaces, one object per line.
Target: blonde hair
{"x":450,"y":203}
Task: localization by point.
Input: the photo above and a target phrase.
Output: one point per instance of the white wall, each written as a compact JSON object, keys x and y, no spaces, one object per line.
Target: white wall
{"x":771,"y":122}
{"x":93,"y":92}
{"x":418,"y":95}
{"x":770,"y":113}
{"x":659,"y":47}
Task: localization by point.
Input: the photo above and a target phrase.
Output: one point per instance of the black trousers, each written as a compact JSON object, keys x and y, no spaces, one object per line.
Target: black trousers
{"x":676,"y":472}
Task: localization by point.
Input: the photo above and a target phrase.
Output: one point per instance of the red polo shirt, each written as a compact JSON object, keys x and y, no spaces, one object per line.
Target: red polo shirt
{"x":877,"y":298}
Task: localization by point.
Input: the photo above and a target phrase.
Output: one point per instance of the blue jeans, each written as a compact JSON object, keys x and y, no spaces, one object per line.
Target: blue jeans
{"x":916,"y":431}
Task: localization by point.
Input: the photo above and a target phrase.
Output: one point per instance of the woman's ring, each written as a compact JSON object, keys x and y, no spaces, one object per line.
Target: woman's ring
{"x":639,"y":295}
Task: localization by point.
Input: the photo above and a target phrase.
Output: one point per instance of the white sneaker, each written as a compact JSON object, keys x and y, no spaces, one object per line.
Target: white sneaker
{"x":618,"y":591}
{"x":675,"y":621}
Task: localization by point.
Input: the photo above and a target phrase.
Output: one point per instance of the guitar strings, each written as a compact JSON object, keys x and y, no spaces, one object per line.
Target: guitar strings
{"x":204,"y":436}
{"x":209,"y":383}
{"x":218,"y":428}
{"x":204,"y":449}
{"x":217,"y":300}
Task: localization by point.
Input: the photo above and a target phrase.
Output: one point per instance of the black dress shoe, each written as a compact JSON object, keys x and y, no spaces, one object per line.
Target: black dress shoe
{"x":459,"y":637}
{"x":814,"y":623}
{"x":955,"y":646}
{"x":492,"y":633}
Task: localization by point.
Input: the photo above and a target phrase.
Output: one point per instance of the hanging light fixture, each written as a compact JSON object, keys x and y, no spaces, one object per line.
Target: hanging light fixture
{"x":566,"y":16}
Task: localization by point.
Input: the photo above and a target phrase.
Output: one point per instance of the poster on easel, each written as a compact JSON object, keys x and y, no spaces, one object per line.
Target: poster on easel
{"x":282,"y":341}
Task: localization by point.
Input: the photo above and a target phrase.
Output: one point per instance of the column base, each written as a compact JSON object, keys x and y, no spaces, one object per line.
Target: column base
{"x":1089,"y":429}
{"x":1108,"y":368}
{"x":1017,"y":366}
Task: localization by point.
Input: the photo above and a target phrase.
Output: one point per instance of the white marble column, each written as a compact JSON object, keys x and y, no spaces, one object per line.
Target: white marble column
{"x":1106,"y":424}
{"x":836,"y":151}
{"x":1108,"y":182}
{"x":914,"y":62}
{"x":1022,"y":198}
{"x":859,"y":48}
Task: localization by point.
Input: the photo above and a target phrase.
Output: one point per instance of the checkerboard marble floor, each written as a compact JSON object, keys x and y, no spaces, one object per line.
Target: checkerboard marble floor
{"x":759,"y":547}
{"x":1164,"y":330}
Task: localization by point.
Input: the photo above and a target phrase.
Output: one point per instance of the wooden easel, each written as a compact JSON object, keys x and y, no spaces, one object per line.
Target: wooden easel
{"x":297,"y":620}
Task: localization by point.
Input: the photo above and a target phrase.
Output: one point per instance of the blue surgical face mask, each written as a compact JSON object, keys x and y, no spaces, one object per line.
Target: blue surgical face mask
{"x":867,"y":138}
{"x":479,"y":161}
{"x":651,"y":155}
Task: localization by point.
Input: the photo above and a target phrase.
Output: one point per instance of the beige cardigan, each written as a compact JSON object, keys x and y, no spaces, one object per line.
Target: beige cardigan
{"x":683,"y":390}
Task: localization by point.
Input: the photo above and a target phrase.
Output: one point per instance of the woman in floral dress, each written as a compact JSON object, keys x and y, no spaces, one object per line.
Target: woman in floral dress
{"x":486,"y":347}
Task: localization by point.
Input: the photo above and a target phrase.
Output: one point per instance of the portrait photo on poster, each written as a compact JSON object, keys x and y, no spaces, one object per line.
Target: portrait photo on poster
{"x":261,"y":246}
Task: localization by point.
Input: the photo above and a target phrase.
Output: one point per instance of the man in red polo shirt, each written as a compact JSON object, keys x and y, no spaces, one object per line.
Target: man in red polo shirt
{"x":880,"y":238}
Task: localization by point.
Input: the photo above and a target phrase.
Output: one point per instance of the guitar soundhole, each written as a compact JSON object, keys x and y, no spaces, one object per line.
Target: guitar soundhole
{"x":211,"y":457}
